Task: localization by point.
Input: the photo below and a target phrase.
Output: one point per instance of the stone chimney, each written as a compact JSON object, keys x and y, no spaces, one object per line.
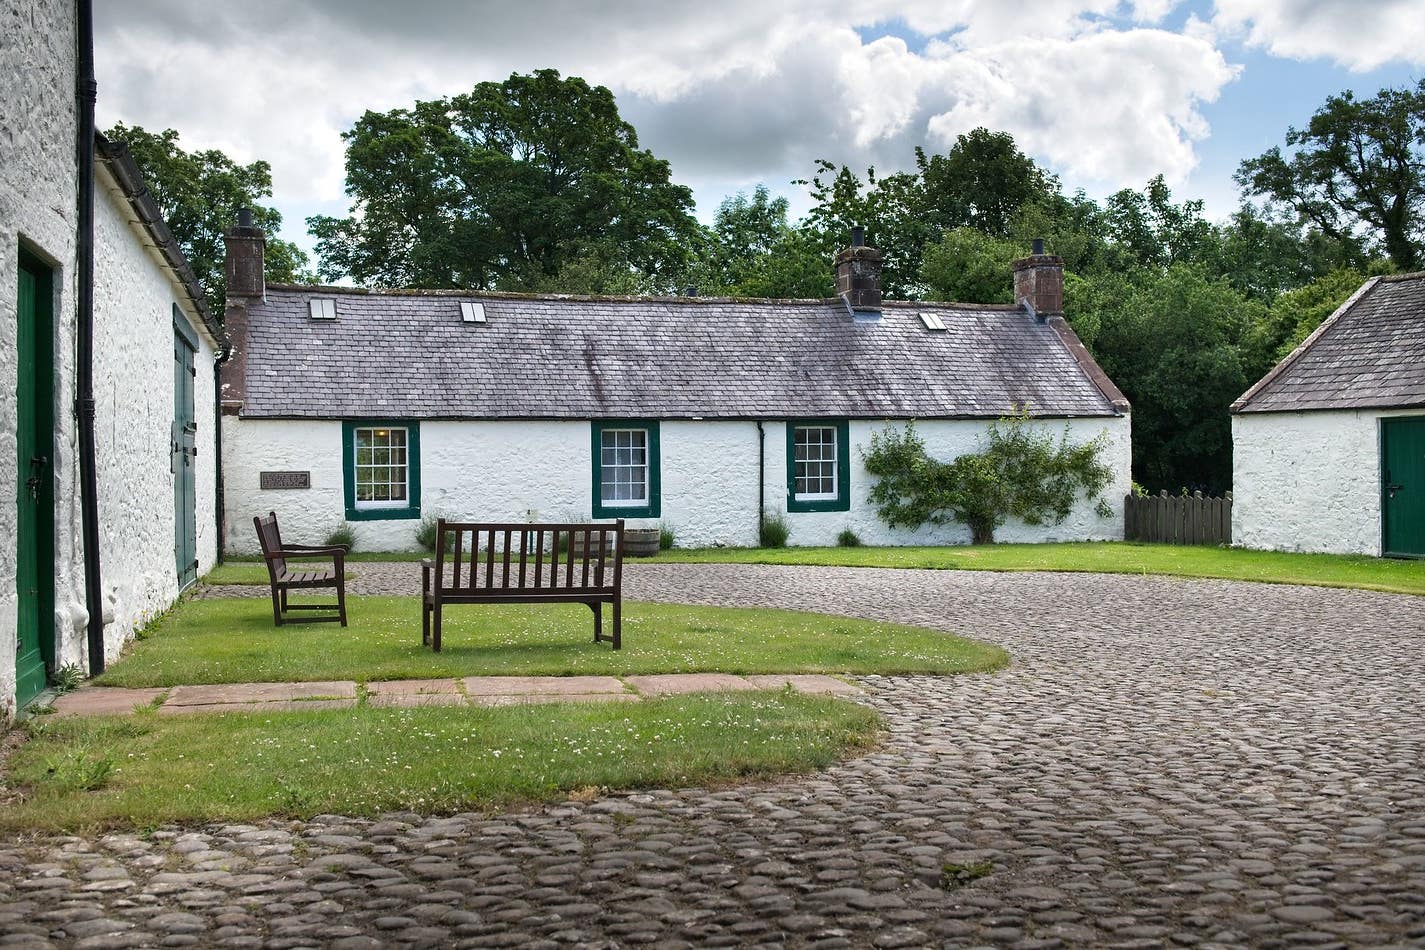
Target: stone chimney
{"x":858,"y":273}
{"x":246,"y":245}
{"x":1039,"y":281}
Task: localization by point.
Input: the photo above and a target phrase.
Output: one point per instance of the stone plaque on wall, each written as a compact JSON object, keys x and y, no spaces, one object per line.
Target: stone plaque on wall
{"x":284,"y":480}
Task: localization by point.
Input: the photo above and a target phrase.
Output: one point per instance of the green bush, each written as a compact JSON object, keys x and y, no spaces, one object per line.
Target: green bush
{"x":848,"y":539}
{"x":342,"y":536}
{"x":425,"y":534}
{"x":667,"y":536}
{"x":773,"y":532}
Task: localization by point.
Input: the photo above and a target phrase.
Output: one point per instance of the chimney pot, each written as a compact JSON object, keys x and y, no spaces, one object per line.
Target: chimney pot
{"x":1038,"y":246}
{"x":858,"y":236}
{"x":244,"y":217}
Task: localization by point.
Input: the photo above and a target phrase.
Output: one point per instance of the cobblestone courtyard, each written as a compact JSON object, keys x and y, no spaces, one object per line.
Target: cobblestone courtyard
{"x":1166,"y":762}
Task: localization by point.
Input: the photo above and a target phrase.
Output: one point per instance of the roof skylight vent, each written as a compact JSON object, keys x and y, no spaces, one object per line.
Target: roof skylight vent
{"x":472,"y":311}
{"x":932,"y":322}
{"x":322,"y":308}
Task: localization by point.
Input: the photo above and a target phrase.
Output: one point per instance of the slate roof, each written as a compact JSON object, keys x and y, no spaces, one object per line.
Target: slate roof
{"x":407,"y":354}
{"x":1369,"y":354}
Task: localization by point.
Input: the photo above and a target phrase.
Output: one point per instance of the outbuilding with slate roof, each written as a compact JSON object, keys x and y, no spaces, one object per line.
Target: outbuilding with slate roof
{"x":1329,"y":447}
{"x":702,"y":414}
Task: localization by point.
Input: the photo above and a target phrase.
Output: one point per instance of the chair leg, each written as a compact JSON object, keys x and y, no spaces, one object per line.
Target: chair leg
{"x":341,"y":596}
{"x":425,"y":622}
{"x":435,"y":628}
{"x":618,"y":622}
{"x":284,"y":600}
{"x":276,"y":607}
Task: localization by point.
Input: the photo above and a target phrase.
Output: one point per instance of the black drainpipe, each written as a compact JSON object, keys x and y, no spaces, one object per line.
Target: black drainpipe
{"x":87,"y":92}
{"x":221,"y":512}
{"x":761,"y":477}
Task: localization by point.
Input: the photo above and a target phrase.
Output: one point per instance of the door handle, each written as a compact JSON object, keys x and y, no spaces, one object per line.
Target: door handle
{"x":1392,"y":489}
{"x":33,"y":484}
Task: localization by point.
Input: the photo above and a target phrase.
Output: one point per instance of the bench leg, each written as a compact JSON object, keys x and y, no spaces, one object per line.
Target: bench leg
{"x":277,"y":604}
{"x":598,"y":610}
{"x":435,"y":628}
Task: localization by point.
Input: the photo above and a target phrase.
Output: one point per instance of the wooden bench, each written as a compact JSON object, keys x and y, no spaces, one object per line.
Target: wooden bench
{"x":308,"y":577}
{"x":479,"y":563}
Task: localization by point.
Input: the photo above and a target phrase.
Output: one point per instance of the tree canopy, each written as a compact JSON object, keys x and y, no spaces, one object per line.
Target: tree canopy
{"x":1358,"y":168}
{"x":199,"y":194}
{"x":506,"y":187}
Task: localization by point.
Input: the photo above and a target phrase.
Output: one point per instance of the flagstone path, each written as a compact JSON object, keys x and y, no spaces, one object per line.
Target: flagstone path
{"x":1165,"y":763}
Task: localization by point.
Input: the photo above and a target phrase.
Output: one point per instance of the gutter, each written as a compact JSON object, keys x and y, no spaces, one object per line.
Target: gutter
{"x":86,"y":93}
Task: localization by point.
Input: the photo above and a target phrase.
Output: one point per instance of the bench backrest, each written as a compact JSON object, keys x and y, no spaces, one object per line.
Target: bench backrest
{"x":270,"y":539}
{"x":472,"y":557}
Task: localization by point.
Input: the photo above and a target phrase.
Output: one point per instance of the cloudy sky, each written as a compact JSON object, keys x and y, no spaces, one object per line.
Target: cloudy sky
{"x":1104,"y":93}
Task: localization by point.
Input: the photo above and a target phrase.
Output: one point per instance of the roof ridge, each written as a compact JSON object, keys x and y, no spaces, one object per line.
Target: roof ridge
{"x":615,"y":298}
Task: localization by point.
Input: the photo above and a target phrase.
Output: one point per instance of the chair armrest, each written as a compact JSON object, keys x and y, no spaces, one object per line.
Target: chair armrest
{"x":319,"y":548}
{"x":308,"y":551}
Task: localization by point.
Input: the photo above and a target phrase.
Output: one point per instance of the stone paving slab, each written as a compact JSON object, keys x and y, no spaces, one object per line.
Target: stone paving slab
{"x":104,"y":701}
{"x":279,"y":705}
{"x":805,"y":683}
{"x":522,"y":699}
{"x":412,"y":687}
{"x":258,"y":692}
{"x":672,"y":684}
{"x":543,"y":685}
{"x":414,"y":700}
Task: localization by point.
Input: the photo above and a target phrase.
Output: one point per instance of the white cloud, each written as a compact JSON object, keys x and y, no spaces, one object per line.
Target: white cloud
{"x":751,"y":92}
{"x":1357,"y":34}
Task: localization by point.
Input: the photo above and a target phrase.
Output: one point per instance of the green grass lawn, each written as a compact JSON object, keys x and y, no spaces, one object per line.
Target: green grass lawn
{"x":150,"y":769}
{"x":234,"y":641}
{"x":1108,"y":557}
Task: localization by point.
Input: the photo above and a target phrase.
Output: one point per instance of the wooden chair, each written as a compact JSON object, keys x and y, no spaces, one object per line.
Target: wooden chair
{"x":284,"y":579}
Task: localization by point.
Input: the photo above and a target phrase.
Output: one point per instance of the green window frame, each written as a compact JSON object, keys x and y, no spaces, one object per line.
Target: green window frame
{"x":618,"y":457}
{"x":379,"y":471}
{"x":815,"y":467}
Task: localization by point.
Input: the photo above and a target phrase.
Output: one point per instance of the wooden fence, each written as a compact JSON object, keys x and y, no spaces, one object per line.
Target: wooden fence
{"x":1178,"y":519}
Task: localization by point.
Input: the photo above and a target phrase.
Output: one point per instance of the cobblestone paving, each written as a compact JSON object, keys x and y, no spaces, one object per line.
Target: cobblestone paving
{"x":1166,"y":762}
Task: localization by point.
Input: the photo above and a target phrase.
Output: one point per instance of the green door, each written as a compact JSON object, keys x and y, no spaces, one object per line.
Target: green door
{"x":185,"y":431}
{"x":34,"y":529}
{"x":1403,"y":487}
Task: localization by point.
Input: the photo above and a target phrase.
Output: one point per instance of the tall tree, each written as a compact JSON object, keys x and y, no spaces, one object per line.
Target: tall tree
{"x":1358,"y":164}
{"x":981,"y":182}
{"x":1172,"y":340}
{"x":1154,"y":231}
{"x":502,"y":188}
{"x":199,"y":194}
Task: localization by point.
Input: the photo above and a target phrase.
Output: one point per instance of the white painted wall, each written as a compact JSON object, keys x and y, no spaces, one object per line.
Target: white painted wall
{"x":517,"y":471}
{"x":37,"y":209}
{"x":1308,"y":481}
{"x":133,"y":390}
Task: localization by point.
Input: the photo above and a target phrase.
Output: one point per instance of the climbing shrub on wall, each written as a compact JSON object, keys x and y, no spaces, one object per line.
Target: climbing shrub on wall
{"x":1024,"y":473}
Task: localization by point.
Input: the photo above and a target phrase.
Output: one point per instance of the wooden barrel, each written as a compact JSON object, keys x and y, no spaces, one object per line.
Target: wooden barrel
{"x":641,"y":542}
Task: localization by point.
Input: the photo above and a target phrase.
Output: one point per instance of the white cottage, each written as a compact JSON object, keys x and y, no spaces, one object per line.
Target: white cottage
{"x":77,"y":225}
{"x":1328,"y":449}
{"x":704,"y":414}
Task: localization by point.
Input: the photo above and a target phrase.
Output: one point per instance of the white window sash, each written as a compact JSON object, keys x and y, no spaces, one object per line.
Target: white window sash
{"x":835,"y":493}
{"x":613,"y":469}
{"x":405,"y":466}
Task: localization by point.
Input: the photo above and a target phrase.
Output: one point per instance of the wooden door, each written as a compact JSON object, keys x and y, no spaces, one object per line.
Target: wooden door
{"x":1403,"y":487}
{"x":34,"y":530}
{"x":183,"y":452}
